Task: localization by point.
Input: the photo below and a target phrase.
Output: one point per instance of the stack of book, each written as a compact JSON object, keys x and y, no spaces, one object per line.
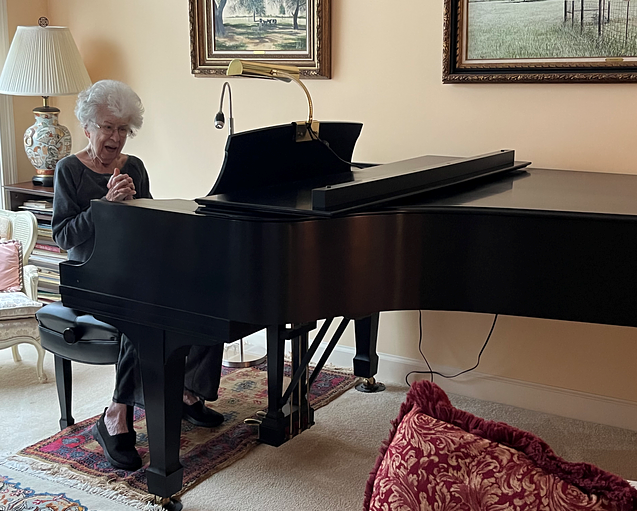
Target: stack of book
{"x":46,"y":254}
{"x":42,"y":209}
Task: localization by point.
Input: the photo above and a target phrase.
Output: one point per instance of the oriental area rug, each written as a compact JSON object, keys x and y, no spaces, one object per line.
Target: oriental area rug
{"x":74,"y":454}
{"x":22,"y":490}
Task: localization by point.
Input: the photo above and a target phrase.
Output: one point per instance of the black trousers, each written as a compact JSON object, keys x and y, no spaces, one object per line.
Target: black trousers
{"x":203,"y":372}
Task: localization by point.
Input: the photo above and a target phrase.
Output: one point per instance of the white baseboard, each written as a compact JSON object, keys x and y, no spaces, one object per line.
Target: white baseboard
{"x":573,"y":404}
{"x":531,"y":396}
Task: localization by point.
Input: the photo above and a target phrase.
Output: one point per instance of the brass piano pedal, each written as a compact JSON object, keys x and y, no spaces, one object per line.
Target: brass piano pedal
{"x":261,"y":414}
{"x":169,"y":503}
{"x":370,"y":385}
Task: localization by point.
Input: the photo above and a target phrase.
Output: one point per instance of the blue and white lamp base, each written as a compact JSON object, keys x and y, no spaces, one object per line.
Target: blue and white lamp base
{"x":46,"y":142}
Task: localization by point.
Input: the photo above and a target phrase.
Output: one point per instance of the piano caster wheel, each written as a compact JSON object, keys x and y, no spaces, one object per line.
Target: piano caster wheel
{"x":169,"y":503}
{"x":370,"y":385}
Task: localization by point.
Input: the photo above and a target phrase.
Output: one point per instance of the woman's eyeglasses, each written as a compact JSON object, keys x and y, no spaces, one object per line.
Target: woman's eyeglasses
{"x":108,"y":130}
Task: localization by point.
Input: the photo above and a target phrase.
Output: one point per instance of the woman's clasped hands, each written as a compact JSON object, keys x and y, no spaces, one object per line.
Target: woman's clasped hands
{"x":120,"y":187}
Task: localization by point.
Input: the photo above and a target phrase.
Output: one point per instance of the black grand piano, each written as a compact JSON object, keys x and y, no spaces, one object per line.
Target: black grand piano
{"x":292,"y":233}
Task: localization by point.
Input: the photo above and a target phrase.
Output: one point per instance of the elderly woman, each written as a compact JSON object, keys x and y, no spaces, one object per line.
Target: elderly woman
{"x":110,"y":112}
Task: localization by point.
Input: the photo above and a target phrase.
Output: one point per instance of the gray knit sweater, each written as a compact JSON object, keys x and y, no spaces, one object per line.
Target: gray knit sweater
{"x":75,"y":186}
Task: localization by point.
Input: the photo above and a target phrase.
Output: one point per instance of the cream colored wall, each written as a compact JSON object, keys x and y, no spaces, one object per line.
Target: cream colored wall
{"x":387,"y":74}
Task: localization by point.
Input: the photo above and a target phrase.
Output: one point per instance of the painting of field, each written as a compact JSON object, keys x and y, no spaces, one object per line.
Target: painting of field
{"x":247,"y":34}
{"x":550,"y":29}
{"x":260,"y":25}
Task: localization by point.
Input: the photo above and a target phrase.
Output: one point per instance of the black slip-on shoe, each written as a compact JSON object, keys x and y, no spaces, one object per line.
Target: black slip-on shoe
{"x":119,"y":449}
{"x":200,"y":415}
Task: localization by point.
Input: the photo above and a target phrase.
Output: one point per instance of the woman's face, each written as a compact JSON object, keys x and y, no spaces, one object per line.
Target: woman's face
{"x":106,"y":146}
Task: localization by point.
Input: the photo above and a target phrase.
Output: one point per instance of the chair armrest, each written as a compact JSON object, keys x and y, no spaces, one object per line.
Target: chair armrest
{"x":31,"y":277}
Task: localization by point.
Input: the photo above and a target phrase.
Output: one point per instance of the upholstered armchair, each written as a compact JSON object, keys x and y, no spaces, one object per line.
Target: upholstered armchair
{"x":18,"y":285}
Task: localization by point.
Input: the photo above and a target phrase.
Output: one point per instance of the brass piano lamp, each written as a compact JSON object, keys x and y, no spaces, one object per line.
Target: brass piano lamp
{"x":304,"y":131}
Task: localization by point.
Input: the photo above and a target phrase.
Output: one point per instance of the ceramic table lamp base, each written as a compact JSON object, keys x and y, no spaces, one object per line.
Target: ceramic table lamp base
{"x":46,"y":142}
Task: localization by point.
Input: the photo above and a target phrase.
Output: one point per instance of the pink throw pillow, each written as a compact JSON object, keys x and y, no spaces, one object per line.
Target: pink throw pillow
{"x":10,"y":266}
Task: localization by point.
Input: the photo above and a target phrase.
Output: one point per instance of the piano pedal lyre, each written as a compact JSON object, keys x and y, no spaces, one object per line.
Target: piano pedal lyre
{"x":169,"y":503}
{"x":370,"y":385}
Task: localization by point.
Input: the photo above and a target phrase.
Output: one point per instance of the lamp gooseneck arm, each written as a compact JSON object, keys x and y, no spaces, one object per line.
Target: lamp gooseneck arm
{"x":230,"y":109}
{"x":219,"y":121}
{"x":276,"y":72}
{"x":226,"y":84}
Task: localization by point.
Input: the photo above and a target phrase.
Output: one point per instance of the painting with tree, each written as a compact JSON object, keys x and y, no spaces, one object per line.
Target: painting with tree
{"x":292,"y":32}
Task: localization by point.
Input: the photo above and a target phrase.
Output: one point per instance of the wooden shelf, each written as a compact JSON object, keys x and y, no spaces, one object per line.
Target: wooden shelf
{"x":29,"y":187}
{"x":18,"y":194}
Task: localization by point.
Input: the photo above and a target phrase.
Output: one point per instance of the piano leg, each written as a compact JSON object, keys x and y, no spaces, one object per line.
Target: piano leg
{"x":272,"y":429}
{"x":291,"y":413}
{"x":302,"y":416}
{"x":162,"y":356}
{"x":366,"y":358}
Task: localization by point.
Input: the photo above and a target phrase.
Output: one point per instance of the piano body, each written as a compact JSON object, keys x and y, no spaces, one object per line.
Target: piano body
{"x":288,"y":252}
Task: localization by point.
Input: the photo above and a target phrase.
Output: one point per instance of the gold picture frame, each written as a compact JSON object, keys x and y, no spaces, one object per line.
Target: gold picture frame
{"x":296,"y":32}
{"x":565,"y":41}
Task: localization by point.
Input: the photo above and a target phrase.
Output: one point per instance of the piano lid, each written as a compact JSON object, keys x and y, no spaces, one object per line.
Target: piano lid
{"x":266,"y":171}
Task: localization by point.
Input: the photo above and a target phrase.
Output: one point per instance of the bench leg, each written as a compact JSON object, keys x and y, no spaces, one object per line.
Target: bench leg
{"x":63,"y":379}
{"x":16,"y":354}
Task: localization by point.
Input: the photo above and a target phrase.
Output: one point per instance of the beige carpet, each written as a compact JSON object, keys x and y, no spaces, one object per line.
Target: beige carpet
{"x":324,"y":468}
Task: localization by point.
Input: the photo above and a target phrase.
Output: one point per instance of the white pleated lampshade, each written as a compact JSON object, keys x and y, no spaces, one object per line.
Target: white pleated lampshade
{"x":43,"y":62}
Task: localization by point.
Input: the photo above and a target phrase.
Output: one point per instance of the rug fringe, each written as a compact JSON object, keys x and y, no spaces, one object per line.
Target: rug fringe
{"x":111,"y":490}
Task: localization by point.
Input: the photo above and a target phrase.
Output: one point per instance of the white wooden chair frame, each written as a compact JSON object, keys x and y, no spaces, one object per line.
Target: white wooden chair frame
{"x":24,"y":227}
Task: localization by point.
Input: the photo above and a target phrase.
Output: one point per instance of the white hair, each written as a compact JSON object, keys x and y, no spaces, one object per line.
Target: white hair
{"x":117,"y":97}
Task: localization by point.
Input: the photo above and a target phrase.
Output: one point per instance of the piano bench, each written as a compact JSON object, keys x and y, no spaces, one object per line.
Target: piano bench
{"x":72,"y":335}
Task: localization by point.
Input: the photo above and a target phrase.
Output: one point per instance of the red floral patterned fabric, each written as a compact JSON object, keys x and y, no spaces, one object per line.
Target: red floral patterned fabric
{"x":444,"y":459}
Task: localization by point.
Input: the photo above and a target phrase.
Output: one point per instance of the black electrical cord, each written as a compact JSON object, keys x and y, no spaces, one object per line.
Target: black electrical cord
{"x":431,"y":372}
{"x":314,"y":136}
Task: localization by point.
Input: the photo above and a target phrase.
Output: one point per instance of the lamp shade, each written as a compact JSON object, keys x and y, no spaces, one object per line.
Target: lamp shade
{"x":238,"y":67}
{"x":43,"y":61}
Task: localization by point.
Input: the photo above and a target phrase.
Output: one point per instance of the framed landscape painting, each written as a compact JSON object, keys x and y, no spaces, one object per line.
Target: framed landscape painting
{"x":540,"y":41}
{"x":290,"y":32}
